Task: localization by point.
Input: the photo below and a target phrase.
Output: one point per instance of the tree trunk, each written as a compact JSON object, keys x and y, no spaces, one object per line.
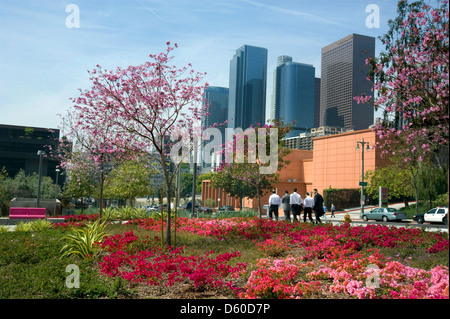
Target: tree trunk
{"x":168,"y":235}
{"x":405,"y":201}
{"x":258,"y":195}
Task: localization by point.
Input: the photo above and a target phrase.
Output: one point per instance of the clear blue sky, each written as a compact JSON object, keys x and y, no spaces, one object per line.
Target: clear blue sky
{"x":43,"y":62}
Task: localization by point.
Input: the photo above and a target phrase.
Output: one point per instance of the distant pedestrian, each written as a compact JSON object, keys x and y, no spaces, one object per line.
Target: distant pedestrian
{"x":318,"y":206}
{"x":332,"y":210}
{"x":274,"y":203}
{"x":296,"y":202}
{"x":308,"y":204}
{"x":286,"y":206}
{"x":324,"y":212}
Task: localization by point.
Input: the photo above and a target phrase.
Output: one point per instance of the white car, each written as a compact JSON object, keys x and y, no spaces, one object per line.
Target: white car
{"x":434,"y":215}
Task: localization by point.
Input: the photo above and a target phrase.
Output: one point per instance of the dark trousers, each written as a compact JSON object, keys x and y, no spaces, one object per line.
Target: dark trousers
{"x":273,"y":209}
{"x":318,"y":213}
{"x":308,"y":211}
{"x":296,"y":212}
{"x":287,"y":215}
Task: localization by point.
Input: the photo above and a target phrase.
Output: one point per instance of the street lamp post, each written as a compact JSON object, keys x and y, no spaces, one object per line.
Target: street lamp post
{"x":41,"y":154}
{"x":56,"y":189}
{"x":362,"y":171}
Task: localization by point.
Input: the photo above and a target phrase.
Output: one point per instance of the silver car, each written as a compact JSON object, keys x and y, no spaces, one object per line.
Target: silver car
{"x":384,"y":214}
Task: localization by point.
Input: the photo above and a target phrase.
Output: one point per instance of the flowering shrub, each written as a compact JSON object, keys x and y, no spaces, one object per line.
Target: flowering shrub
{"x":440,"y":245}
{"x":273,"y":247}
{"x":155,"y":266}
{"x":350,"y":275}
{"x":279,"y":279}
{"x":80,"y":218}
{"x":335,"y":260}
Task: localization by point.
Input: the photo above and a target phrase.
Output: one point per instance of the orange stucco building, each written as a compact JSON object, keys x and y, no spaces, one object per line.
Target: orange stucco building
{"x":334,"y":162}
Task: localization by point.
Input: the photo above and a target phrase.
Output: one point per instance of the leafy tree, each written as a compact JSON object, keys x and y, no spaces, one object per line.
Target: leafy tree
{"x":139,"y":108}
{"x":186,"y":184}
{"x":396,"y":179}
{"x":250,"y":176}
{"x":26,"y":186}
{"x":432,"y":182}
{"x":129,"y":180}
{"x":82,"y":176}
{"x":411,"y":81}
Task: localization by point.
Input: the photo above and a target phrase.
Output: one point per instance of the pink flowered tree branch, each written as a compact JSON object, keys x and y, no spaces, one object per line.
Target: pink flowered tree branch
{"x":411,"y":80}
{"x":140,"y":107}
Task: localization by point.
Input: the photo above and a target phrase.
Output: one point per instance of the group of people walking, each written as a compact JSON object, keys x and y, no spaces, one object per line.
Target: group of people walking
{"x":294,"y":202}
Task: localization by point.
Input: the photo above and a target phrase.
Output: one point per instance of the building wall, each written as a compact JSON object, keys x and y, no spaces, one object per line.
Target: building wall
{"x":344,"y":76}
{"x":19,"y":146}
{"x":247,"y":89}
{"x":334,"y":162}
{"x":294,"y":98}
{"x":337,"y":163}
{"x":297,"y":174}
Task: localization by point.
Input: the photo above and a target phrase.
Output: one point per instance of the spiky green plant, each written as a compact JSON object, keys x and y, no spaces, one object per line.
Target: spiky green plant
{"x":4,"y":229}
{"x":23,"y":227}
{"x":41,"y":225}
{"x":82,"y":241}
{"x":109,"y":213}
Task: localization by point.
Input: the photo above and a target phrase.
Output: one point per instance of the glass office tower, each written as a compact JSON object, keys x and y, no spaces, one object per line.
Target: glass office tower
{"x":294,"y":96}
{"x":217,"y":99}
{"x":247,"y":91}
{"x":344,"y":76}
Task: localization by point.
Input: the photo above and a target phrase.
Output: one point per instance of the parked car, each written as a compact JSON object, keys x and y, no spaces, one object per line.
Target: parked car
{"x":226,"y":208}
{"x":152,"y":207}
{"x":384,"y":214}
{"x":434,"y":215}
{"x":205,"y":210}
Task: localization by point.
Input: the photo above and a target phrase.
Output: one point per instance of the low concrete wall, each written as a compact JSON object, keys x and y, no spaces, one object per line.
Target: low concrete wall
{"x":15,"y":221}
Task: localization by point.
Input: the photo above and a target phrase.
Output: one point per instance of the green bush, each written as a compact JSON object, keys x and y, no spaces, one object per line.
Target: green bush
{"x":82,"y":241}
{"x":40,"y":225}
{"x":342,"y":198}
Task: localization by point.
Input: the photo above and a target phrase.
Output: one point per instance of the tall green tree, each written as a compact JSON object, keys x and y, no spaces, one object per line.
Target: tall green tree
{"x":396,"y":179}
{"x":128,"y":181}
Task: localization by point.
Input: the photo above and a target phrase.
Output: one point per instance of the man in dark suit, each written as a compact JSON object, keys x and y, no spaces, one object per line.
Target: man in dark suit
{"x":318,"y":206}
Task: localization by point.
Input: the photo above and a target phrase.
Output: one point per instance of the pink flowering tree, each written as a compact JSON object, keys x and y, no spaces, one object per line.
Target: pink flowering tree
{"x":411,"y":82}
{"x":145,"y":109}
{"x":97,"y":146}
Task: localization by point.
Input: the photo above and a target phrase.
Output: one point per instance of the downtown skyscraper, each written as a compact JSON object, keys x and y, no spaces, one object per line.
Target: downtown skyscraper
{"x":216,"y":98}
{"x":247,"y":89}
{"x":344,"y":76}
{"x":294,"y":87}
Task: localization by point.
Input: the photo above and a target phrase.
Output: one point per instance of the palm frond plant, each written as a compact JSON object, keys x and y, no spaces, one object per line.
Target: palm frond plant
{"x":82,"y":241}
{"x":40,"y":225}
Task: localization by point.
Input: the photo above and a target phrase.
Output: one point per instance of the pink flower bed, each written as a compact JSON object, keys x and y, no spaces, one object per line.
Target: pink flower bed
{"x":335,"y":261}
{"x":157,"y":266}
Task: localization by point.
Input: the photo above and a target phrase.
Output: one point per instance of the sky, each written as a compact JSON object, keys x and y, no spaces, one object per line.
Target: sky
{"x":45,"y":54}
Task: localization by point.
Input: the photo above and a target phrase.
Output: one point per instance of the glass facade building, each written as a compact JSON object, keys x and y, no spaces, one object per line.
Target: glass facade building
{"x":19,"y":146}
{"x":217,"y":99}
{"x":294,"y":96}
{"x":344,"y":76}
{"x":247,"y":90}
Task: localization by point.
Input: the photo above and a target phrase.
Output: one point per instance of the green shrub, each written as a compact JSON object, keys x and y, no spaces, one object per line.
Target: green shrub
{"x":40,"y":225}
{"x":23,"y":227}
{"x":82,"y":241}
{"x":4,"y":229}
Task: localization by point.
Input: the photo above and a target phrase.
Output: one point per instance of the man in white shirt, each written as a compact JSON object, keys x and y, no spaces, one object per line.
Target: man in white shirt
{"x":274,"y":203}
{"x":296,"y":201}
{"x":308,"y":203}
